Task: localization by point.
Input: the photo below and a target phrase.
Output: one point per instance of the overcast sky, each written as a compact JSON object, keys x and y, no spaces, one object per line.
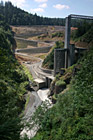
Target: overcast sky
{"x":55,"y":8}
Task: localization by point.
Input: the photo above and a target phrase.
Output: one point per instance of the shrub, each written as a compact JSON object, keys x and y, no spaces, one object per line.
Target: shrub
{"x":60,"y":83}
{"x":49,"y":60}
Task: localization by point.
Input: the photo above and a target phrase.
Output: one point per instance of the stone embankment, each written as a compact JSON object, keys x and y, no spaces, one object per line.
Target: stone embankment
{"x":35,"y":50}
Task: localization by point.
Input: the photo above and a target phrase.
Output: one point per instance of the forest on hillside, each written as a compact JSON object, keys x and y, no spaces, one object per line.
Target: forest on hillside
{"x":13,"y":83}
{"x":71,"y":118}
{"x":16,"y":16}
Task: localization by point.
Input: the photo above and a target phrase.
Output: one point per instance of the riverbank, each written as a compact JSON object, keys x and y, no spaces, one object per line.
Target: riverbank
{"x":35,"y":100}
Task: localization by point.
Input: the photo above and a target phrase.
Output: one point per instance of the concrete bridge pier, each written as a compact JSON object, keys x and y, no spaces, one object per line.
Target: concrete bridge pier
{"x":49,"y":79}
{"x":62,"y":57}
{"x":71,"y":55}
{"x":59,"y":60}
{"x":67,"y":39}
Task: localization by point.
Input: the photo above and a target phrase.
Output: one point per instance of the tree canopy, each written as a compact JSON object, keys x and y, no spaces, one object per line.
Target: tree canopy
{"x":12,"y":86}
{"x":16,"y":16}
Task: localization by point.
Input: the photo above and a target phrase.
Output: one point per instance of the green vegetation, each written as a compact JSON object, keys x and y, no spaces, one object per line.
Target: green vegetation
{"x":69,"y":73}
{"x":21,"y":44}
{"x":57,"y":34}
{"x":88,"y":36}
{"x":84,"y":33}
{"x":60,"y":83}
{"x":24,"y":43}
{"x":49,"y":60}
{"x":7,"y":31}
{"x":62,"y":80}
{"x":16,"y":16}
{"x":13,"y":82}
{"x":27,"y":72}
{"x":55,"y":96}
{"x":42,"y":56}
{"x":27,"y":101}
{"x":71,"y":117}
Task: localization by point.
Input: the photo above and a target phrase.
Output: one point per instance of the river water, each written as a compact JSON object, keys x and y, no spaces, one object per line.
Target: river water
{"x":35,"y":100}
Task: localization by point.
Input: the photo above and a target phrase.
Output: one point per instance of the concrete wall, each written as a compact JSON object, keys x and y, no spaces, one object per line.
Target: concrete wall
{"x":35,"y":50}
{"x":59,"y":60}
{"x":73,"y":55}
{"x":28,"y":42}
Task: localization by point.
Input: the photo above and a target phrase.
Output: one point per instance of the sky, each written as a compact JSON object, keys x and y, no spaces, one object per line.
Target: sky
{"x":55,"y":8}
